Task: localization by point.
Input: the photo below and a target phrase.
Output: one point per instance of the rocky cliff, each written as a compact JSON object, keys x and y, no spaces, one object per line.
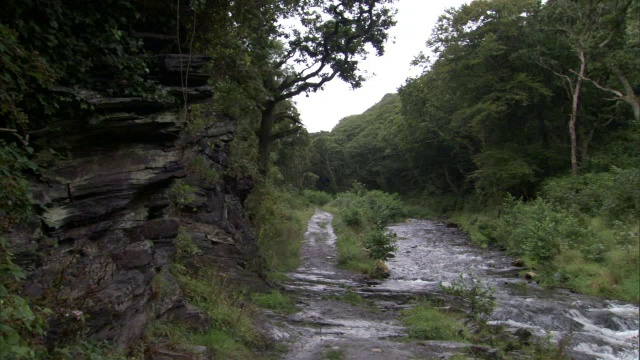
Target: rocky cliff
{"x":134,"y":181}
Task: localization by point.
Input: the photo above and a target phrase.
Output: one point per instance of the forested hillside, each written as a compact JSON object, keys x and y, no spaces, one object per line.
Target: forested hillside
{"x":518,"y":100}
{"x":498,"y":104}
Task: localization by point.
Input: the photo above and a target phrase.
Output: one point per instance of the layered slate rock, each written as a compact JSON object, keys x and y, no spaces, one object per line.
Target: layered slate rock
{"x":105,"y":239}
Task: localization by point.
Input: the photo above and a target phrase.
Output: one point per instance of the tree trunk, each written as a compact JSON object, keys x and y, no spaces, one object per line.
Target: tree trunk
{"x":573,"y":120}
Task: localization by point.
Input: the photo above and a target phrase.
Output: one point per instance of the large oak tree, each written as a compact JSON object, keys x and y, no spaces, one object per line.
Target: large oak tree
{"x":329,"y":40}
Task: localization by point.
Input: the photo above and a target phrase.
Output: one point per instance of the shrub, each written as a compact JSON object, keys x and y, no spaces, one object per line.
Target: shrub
{"x":181,"y":194}
{"x":477,"y":294}
{"x":20,"y":323}
{"x":368,"y":207}
{"x":185,"y":247}
{"x":362,"y":216}
{"x":352,"y":217}
{"x":615,"y":194}
{"x":15,"y":202}
{"x":316,"y":197}
{"x":537,"y":230}
{"x":380,"y":243}
{"x":280,"y":219}
{"x":203,"y":170}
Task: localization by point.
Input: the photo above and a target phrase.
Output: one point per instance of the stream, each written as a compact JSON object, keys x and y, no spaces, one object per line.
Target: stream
{"x":428,"y":253}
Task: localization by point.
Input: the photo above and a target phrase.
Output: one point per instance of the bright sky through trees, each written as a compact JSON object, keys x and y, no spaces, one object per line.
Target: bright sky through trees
{"x":322,"y":110}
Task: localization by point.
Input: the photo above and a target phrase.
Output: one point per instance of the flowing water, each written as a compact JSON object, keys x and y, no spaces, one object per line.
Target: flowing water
{"x":429,"y":253}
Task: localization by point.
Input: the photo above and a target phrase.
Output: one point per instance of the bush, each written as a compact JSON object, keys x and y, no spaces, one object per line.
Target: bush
{"x":316,"y":197}
{"x":536,"y":230}
{"x":362,"y":216}
{"x":614,"y":195}
{"x":380,"y":243}
{"x":477,"y":294}
{"x":280,"y":218}
{"x":15,"y":201}
{"x":361,"y":207}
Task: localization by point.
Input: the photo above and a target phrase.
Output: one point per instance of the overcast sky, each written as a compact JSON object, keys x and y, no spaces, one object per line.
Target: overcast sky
{"x":416,"y":18}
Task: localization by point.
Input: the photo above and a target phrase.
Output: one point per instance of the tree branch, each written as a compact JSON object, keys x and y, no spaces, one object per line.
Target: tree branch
{"x":286,"y":133}
{"x":286,"y":115}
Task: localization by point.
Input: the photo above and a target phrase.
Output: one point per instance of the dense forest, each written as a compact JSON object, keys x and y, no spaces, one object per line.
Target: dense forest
{"x":527,"y":112}
{"x":523,"y":128}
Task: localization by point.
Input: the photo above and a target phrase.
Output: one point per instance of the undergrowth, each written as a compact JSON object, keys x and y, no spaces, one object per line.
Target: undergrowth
{"x":280,"y":217}
{"x":232,"y":334}
{"x":581,"y":233}
{"x":360,"y":227}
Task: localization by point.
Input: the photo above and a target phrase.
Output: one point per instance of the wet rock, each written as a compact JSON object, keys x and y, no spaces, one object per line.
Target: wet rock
{"x":190,"y":316}
{"x":134,"y":255}
{"x":485,"y":352}
{"x":530,"y":275}
{"x":181,"y":352}
{"x":382,"y":270}
{"x":518,"y":263}
{"x":160,"y":229}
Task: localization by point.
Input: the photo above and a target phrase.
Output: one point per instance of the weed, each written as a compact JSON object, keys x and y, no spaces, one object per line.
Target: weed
{"x":426,"y":323}
{"x":185,"y":247}
{"x":274,"y":301}
{"x":202,"y":169}
{"x":334,"y":354}
{"x":351,"y":252}
{"x":223,"y":345}
{"x":477,"y":294}
{"x":353,"y":298}
{"x":277,"y":276}
{"x":232,"y":333}
{"x":181,"y":194}
{"x":280,"y":219}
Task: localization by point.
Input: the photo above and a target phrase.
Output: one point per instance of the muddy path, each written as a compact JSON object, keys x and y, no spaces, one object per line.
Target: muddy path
{"x":344,"y":316}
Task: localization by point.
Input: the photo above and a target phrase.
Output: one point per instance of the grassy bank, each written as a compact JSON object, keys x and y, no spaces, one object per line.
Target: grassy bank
{"x":581,"y":233}
{"x":584,"y":254}
{"x":280,"y":216}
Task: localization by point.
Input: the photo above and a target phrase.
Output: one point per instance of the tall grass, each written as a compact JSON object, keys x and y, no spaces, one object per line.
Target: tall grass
{"x":232,"y":334}
{"x":426,"y":323}
{"x":582,"y":233}
{"x":351,"y":252}
{"x":280,"y":217}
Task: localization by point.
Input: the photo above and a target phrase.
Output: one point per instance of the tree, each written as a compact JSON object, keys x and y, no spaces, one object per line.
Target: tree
{"x":479,"y":101}
{"x":333,"y":37}
{"x":595,"y":32}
